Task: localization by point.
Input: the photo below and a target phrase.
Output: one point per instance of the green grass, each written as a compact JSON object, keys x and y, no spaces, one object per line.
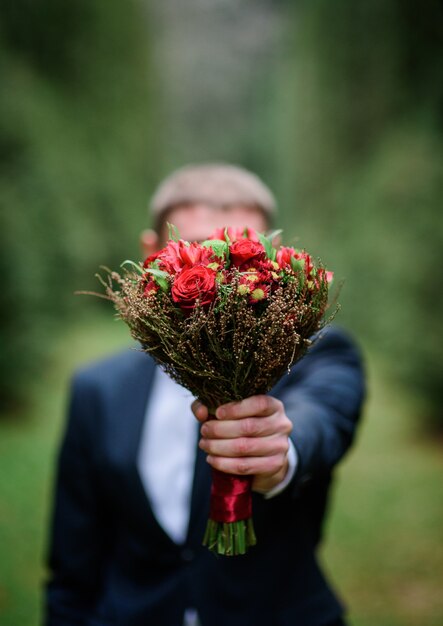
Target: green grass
{"x":384,"y":547}
{"x":383,"y":550}
{"x":28,"y":448}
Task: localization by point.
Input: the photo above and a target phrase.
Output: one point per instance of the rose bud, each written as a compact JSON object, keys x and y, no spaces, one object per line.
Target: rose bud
{"x":245,"y":250}
{"x":192,"y":285}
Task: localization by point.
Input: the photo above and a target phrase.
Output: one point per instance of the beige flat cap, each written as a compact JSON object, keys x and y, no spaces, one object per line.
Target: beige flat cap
{"x":216,"y":184}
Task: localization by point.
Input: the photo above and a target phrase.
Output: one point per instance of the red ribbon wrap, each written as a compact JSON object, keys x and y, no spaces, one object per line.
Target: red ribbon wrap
{"x":231,"y":499}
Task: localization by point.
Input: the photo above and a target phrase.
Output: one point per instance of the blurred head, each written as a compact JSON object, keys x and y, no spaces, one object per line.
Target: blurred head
{"x":199,"y":198}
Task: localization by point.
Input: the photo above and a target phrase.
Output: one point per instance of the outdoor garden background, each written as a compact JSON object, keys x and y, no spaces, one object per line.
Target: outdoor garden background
{"x":338,"y":106}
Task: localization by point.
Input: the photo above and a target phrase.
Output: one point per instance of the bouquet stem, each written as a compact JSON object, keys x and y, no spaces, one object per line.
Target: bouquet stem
{"x":230,"y":530}
{"x":229,"y":539}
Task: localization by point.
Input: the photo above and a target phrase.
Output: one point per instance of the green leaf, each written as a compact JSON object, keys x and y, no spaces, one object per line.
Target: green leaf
{"x":219,"y":247}
{"x":228,"y":239}
{"x":267,"y":244}
{"x":156,"y":272}
{"x":160,"y":277}
{"x":173,"y":232}
{"x":162,"y":283}
{"x":298,"y":266}
{"x":274,"y":234}
{"x":270,"y":238}
{"x":136,"y":266}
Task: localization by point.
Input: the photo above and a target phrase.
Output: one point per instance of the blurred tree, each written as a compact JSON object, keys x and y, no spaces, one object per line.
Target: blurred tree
{"x":360,"y":134}
{"x":217,"y":62}
{"x":77,"y":159}
{"x":342,"y":116}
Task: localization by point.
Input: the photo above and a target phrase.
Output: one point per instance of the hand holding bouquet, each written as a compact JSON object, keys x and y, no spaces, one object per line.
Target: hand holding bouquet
{"x":225,"y":318}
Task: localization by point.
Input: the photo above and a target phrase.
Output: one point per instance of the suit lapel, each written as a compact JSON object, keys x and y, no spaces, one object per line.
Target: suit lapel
{"x":200,"y":498}
{"x":128,"y":399}
{"x":127,"y":411}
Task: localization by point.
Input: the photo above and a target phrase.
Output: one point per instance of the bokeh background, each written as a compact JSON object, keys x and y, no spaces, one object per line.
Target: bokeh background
{"x":339,"y":107}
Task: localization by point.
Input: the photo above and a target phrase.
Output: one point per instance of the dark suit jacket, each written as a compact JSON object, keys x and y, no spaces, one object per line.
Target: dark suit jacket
{"x":111,"y":562}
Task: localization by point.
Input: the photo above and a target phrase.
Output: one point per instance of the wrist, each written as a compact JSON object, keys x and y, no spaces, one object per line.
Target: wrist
{"x":279,"y":476}
{"x":291,"y":468}
{"x":268,"y":483}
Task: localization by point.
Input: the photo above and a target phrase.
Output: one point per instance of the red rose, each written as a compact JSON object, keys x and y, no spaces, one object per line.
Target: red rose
{"x":245,"y":250}
{"x":192,"y":284}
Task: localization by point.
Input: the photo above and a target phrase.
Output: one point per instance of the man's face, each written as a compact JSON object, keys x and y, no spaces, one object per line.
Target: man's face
{"x":195,"y":222}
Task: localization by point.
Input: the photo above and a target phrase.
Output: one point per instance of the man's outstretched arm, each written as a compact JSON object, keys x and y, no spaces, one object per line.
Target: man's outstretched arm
{"x":317,"y":409}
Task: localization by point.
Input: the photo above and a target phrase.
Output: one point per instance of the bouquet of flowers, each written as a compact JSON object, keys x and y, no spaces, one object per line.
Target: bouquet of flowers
{"x":225,"y":318}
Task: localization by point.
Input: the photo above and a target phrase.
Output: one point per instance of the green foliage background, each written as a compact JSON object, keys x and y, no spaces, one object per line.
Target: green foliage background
{"x":340,"y":112}
{"x":361,"y":129}
{"x":75,"y":145}
{"x":338,"y":106}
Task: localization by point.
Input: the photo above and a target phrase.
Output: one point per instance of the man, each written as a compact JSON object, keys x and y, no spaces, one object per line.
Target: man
{"x":132,"y":491}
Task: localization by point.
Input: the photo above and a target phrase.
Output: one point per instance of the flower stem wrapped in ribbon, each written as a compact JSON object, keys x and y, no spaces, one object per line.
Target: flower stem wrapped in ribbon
{"x":225,"y":318}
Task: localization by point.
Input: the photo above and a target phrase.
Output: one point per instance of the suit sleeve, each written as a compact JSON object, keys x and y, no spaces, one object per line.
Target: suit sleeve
{"x":77,"y":539}
{"x":323,"y":397}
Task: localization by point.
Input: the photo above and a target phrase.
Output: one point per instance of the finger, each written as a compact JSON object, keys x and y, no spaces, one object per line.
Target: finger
{"x":245,"y":446}
{"x":200,"y":411}
{"x":254,"y":406}
{"x":247,"y":427}
{"x":248,"y":466}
